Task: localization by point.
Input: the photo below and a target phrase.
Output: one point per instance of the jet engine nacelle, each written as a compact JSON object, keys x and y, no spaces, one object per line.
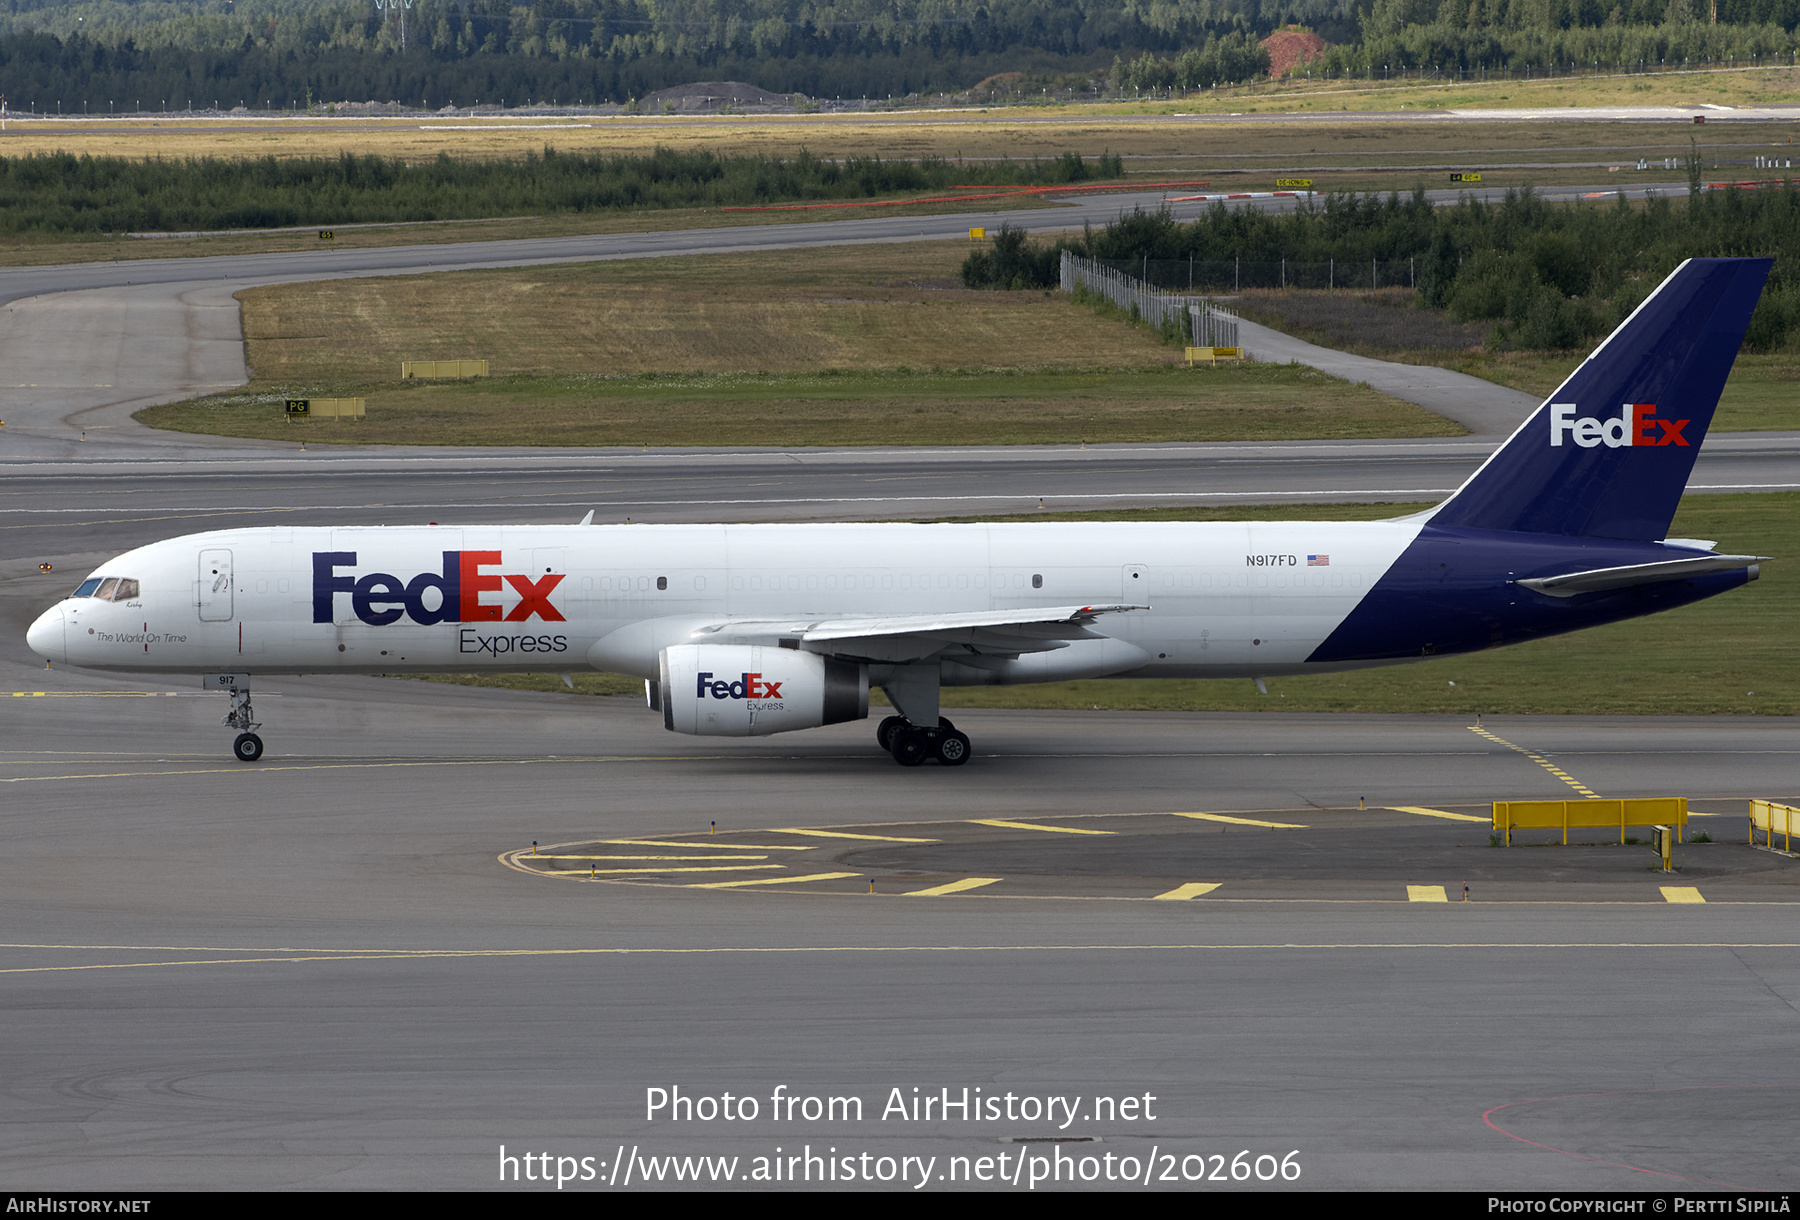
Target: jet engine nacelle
{"x":746,"y":690}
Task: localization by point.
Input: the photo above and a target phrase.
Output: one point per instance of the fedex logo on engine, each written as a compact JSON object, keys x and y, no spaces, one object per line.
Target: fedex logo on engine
{"x":1636,"y":425}
{"x":453,"y":595}
{"x":748,"y":686}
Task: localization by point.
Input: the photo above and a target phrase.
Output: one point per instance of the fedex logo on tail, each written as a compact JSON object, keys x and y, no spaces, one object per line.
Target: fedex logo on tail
{"x":378,"y":598}
{"x":1635,"y":425}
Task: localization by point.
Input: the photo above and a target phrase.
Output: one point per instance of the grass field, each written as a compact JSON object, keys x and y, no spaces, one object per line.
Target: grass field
{"x":841,"y":346}
{"x":1738,"y":653}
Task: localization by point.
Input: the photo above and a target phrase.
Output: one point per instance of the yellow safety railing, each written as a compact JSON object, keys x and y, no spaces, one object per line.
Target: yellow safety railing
{"x":1772,"y":820}
{"x":326,"y":408}
{"x":443,"y":368}
{"x":1212,"y":355}
{"x":1552,"y":815}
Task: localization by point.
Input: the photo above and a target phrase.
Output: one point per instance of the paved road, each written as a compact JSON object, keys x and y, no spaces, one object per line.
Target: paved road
{"x":1485,"y":409}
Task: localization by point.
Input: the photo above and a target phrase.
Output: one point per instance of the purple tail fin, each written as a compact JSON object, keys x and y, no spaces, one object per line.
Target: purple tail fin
{"x":1609,"y":453}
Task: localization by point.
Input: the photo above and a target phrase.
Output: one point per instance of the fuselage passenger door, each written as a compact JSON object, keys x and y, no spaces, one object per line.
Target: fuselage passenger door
{"x":215,"y":586}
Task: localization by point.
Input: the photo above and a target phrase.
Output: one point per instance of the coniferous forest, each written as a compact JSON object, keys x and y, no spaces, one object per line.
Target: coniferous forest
{"x":152,"y":55}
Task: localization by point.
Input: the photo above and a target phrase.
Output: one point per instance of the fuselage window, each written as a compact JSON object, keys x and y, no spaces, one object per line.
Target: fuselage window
{"x":1037,"y":581}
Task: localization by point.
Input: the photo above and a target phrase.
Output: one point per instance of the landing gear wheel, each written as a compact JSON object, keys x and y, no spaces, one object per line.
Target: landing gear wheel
{"x":884,"y":732}
{"x":248,"y":747}
{"x":909,"y":746}
{"x":952,"y":748}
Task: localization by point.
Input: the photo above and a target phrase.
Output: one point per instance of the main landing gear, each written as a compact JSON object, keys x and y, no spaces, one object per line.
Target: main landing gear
{"x":248,"y":747}
{"x":911,"y":745}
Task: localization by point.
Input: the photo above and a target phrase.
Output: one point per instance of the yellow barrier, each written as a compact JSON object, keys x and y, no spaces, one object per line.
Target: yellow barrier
{"x":1551,"y":815}
{"x":977,"y":234}
{"x":326,"y":408}
{"x":443,"y":368}
{"x":1213,"y":355}
{"x":1773,"y":819}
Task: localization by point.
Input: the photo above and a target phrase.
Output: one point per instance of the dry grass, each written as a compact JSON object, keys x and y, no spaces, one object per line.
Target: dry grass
{"x":1357,"y":153}
{"x":1718,"y":86}
{"x":841,"y":346}
{"x":851,"y":307}
{"x":847,"y":407}
{"x":1378,"y":323}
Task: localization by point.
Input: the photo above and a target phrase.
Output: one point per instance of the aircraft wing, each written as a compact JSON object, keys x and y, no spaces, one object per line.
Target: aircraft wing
{"x":910,"y":637}
{"x":1598,"y":580}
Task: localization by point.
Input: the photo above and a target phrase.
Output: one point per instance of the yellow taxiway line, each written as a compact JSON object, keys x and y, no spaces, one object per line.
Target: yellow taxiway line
{"x":954,"y":887}
{"x":1192,"y":889}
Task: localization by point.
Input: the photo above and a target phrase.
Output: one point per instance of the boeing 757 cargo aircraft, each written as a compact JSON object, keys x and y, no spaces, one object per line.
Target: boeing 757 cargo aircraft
{"x":741,"y":630}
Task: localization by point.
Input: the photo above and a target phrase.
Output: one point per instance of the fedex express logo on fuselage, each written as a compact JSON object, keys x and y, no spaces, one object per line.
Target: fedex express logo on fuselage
{"x":1636,"y":425}
{"x":378,"y":598}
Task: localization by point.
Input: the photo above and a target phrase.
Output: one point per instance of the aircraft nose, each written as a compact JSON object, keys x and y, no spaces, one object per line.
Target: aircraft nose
{"x":46,"y":636}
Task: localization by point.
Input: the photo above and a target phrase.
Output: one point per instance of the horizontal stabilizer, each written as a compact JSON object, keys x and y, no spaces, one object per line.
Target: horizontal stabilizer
{"x":1599,"y":580}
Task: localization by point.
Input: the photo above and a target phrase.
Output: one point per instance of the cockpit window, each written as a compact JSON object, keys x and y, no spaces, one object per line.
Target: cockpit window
{"x":108,"y":588}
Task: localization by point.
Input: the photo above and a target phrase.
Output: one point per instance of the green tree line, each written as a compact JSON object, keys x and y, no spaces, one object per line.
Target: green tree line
{"x":59,"y":193}
{"x":1550,"y":276}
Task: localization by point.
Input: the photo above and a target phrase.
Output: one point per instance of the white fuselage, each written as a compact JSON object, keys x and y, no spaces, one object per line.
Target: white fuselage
{"x":1222,"y":599}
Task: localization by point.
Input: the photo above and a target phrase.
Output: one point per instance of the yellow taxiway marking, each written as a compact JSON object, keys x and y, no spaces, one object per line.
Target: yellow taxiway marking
{"x":1055,"y":830}
{"x":707,"y":845}
{"x":726,"y":885}
{"x":693,"y":859}
{"x":1541,"y":761}
{"x":955,"y":887}
{"x":839,"y":834}
{"x":1220,"y":817}
{"x":1426,"y":893}
{"x":1681,"y":893}
{"x":609,"y":872}
{"x":1192,"y":889}
{"x":1438,"y":813}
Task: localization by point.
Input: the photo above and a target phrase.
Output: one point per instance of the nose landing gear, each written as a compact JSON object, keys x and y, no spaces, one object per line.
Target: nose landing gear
{"x":248,"y":747}
{"x":911,"y":745}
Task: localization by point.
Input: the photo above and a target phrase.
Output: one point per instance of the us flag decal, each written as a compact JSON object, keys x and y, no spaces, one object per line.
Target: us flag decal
{"x":1318,"y":561}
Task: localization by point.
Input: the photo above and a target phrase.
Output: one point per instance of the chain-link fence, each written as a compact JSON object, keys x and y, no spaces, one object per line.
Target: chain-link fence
{"x":1128,"y":293}
{"x":1200,"y":323}
{"x":1211,"y":326}
{"x":1231,"y":275}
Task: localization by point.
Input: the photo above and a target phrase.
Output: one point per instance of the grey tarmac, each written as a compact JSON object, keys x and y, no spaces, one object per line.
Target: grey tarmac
{"x":316,"y":973}
{"x":319,"y":973}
